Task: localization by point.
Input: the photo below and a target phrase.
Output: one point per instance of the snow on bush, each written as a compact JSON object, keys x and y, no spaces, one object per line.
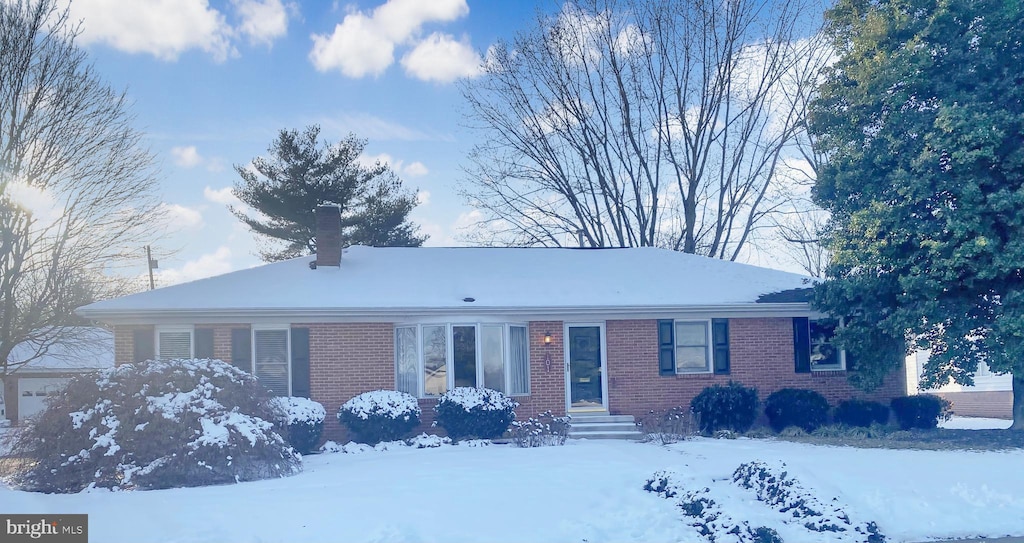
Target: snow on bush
{"x":156,"y":424}
{"x":380,"y":415}
{"x":775,"y":488}
{"x":706,"y":515}
{"x":422,"y":441}
{"x":300,"y":420}
{"x":475,"y":412}
{"x":544,"y":429}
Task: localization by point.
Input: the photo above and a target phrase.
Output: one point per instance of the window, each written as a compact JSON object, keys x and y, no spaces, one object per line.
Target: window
{"x":824,"y":355}
{"x":271,"y":361}
{"x":431,"y":358}
{"x":692,"y":353}
{"x":173,"y":342}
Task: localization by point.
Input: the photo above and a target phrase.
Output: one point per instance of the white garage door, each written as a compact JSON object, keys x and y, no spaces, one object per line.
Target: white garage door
{"x":33,"y":390}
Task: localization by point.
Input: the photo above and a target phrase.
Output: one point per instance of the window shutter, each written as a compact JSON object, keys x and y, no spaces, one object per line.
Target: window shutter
{"x":720,"y":341}
{"x":203,"y":338}
{"x":666,"y":348}
{"x":300,"y":362}
{"x":851,"y":361}
{"x":802,"y":345}
{"x":241,"y":349}
{"x":143,"y":347}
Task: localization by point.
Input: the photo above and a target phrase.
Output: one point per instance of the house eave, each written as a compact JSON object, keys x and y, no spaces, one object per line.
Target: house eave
{"x":393,"y":314}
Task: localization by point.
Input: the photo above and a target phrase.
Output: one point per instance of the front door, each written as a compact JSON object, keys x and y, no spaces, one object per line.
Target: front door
{"x":585,"y":368}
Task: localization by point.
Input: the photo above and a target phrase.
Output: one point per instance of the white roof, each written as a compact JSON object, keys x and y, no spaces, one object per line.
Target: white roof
{"x":87,"y":349}
{"x":376,"y":280}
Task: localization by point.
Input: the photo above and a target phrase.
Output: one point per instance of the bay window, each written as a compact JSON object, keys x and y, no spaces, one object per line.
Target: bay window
{"x":432,"y":358}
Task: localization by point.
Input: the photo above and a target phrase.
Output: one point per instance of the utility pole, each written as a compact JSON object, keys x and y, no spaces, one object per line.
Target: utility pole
{"x":150,"y":263}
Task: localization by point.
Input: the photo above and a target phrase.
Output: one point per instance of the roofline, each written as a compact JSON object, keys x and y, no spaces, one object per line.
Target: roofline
{"x":300,"y":314}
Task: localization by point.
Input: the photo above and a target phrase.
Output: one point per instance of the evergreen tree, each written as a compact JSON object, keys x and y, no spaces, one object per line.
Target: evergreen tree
{"x":921,"y":121}
{"x":301,"y":173}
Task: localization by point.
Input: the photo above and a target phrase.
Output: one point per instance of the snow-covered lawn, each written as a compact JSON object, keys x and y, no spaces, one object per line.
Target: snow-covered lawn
{"x":586,"y":490}
{"x":975,"y":423}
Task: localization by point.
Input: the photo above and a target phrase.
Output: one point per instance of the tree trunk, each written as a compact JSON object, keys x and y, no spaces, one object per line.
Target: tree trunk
{"x":1018,"y":401}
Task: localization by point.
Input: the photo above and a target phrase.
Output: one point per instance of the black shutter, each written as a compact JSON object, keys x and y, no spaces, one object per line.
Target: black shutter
{"x":720,"y":340}
{"x":203,"y":338}
{"x":851,"y":361}
{"x":300,"y":362}
{"x":241,"y":349}
{"x":802,"y":344}
{"x":143,"y":345}
{"x":666,"y":347}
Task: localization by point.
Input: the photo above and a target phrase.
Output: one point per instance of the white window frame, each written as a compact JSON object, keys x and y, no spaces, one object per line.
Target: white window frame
{"x":709,"y":352}
{"x":174,"y":329}
{"x":287,"y":329}
{"x":450,"y":354}
{"x":842,"y":352}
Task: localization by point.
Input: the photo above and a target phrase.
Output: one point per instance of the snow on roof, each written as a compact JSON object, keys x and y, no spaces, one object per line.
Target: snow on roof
{"x":446,"y":278}
{"x":87,"y":349}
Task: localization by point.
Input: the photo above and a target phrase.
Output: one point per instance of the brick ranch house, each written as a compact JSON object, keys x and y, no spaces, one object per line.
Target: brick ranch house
{"x":616,"y":331}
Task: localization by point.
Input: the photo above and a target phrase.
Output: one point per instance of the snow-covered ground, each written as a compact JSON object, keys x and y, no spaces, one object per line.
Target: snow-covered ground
{"x":976,"y":423}
{"x":586,"y":490}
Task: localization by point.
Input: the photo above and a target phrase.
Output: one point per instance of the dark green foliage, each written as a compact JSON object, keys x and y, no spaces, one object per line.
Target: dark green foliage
{"x":152,"y":425}
{"x":920,"y":411}
{"x":921,"y":120}
{"x":304,"y":436}
{"x":380,"y":415}
{"x":300,"y":173}
{"x":466,"y":412}
{"x":730,"y":407}
{"x":764,"y":534}
{"x":805,"y":409}
{"x":861,"y":413}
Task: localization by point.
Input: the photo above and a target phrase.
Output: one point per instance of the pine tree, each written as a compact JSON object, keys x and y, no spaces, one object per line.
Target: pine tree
{"x":921,"y":122}
{"x":301,"y":173}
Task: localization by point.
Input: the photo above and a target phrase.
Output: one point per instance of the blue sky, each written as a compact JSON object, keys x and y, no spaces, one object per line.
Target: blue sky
{"x":213,"y":81}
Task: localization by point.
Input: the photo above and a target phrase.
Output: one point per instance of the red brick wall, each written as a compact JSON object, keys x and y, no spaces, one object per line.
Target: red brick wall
{"x":347,"y":359}
{"x":124,"y":344}
{"x":761,"y":355}
{"x":996,"y":404}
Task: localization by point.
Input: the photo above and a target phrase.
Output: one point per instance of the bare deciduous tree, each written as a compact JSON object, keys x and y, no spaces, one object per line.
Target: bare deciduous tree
{"x":637,"y":123}
{"x":77,"y":187}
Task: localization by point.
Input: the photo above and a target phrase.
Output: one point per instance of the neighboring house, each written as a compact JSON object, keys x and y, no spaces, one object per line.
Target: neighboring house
{"x":605,"y":331}
{"x":990,"y":396}
{"x":26,"y":389}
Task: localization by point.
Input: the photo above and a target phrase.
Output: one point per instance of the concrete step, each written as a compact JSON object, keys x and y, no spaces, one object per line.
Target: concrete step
{"x":587,"y":419}
{"x":634,"y":435}
{"x":603,"y":426}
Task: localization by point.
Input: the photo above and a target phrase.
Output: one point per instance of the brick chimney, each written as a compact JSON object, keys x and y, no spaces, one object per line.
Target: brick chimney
{"x":328,"y":235}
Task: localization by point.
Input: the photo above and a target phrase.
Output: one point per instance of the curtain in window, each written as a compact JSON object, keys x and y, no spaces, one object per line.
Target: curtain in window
{"x":406,"y":360}
{"x":175,"y":345}
{"x":272,"y":360}
{"x":492,"y":354}
{"x":519,"y":361}
{"x":435,"y":360}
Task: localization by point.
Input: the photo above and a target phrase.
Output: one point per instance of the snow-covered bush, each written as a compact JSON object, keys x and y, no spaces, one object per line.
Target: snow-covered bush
{"x":544,"y":429}
{"x":731,"y":407}
{"x":861,"y":413}
{"x":380,"y":415}
{"x":156,"y":424}
{"x":300,"y":420}
{"x":668,"y":426}
{"x":799,"y":407}
{"x":475,"y":412}
{"x":920,"y":411}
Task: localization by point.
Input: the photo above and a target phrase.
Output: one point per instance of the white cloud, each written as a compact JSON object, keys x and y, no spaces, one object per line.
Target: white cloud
{"x":38,"y":201}
{"x":207,"y":265}
{"x":221,"y":196}
{"x":262,"y":21}
{"x":416,"y":169}
{"x":162,"y":28}
{"x":186,"y":156}
{"x":179,"y":216}
{"x":423,"y":197}
{"x":364,"y":43}
{"x":442,"y":59}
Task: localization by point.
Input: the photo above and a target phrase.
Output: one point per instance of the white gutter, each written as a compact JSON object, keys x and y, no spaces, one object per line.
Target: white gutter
{"x":389,"y":314}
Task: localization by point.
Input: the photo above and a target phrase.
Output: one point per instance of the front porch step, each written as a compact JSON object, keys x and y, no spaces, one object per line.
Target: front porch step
{"x":603,"y":426}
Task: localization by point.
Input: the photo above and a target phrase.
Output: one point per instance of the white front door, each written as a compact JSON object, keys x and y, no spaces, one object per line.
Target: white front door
{"x":586,"y":388}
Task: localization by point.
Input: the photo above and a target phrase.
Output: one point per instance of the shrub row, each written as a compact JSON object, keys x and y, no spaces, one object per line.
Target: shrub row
{"x":734,"y":407}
